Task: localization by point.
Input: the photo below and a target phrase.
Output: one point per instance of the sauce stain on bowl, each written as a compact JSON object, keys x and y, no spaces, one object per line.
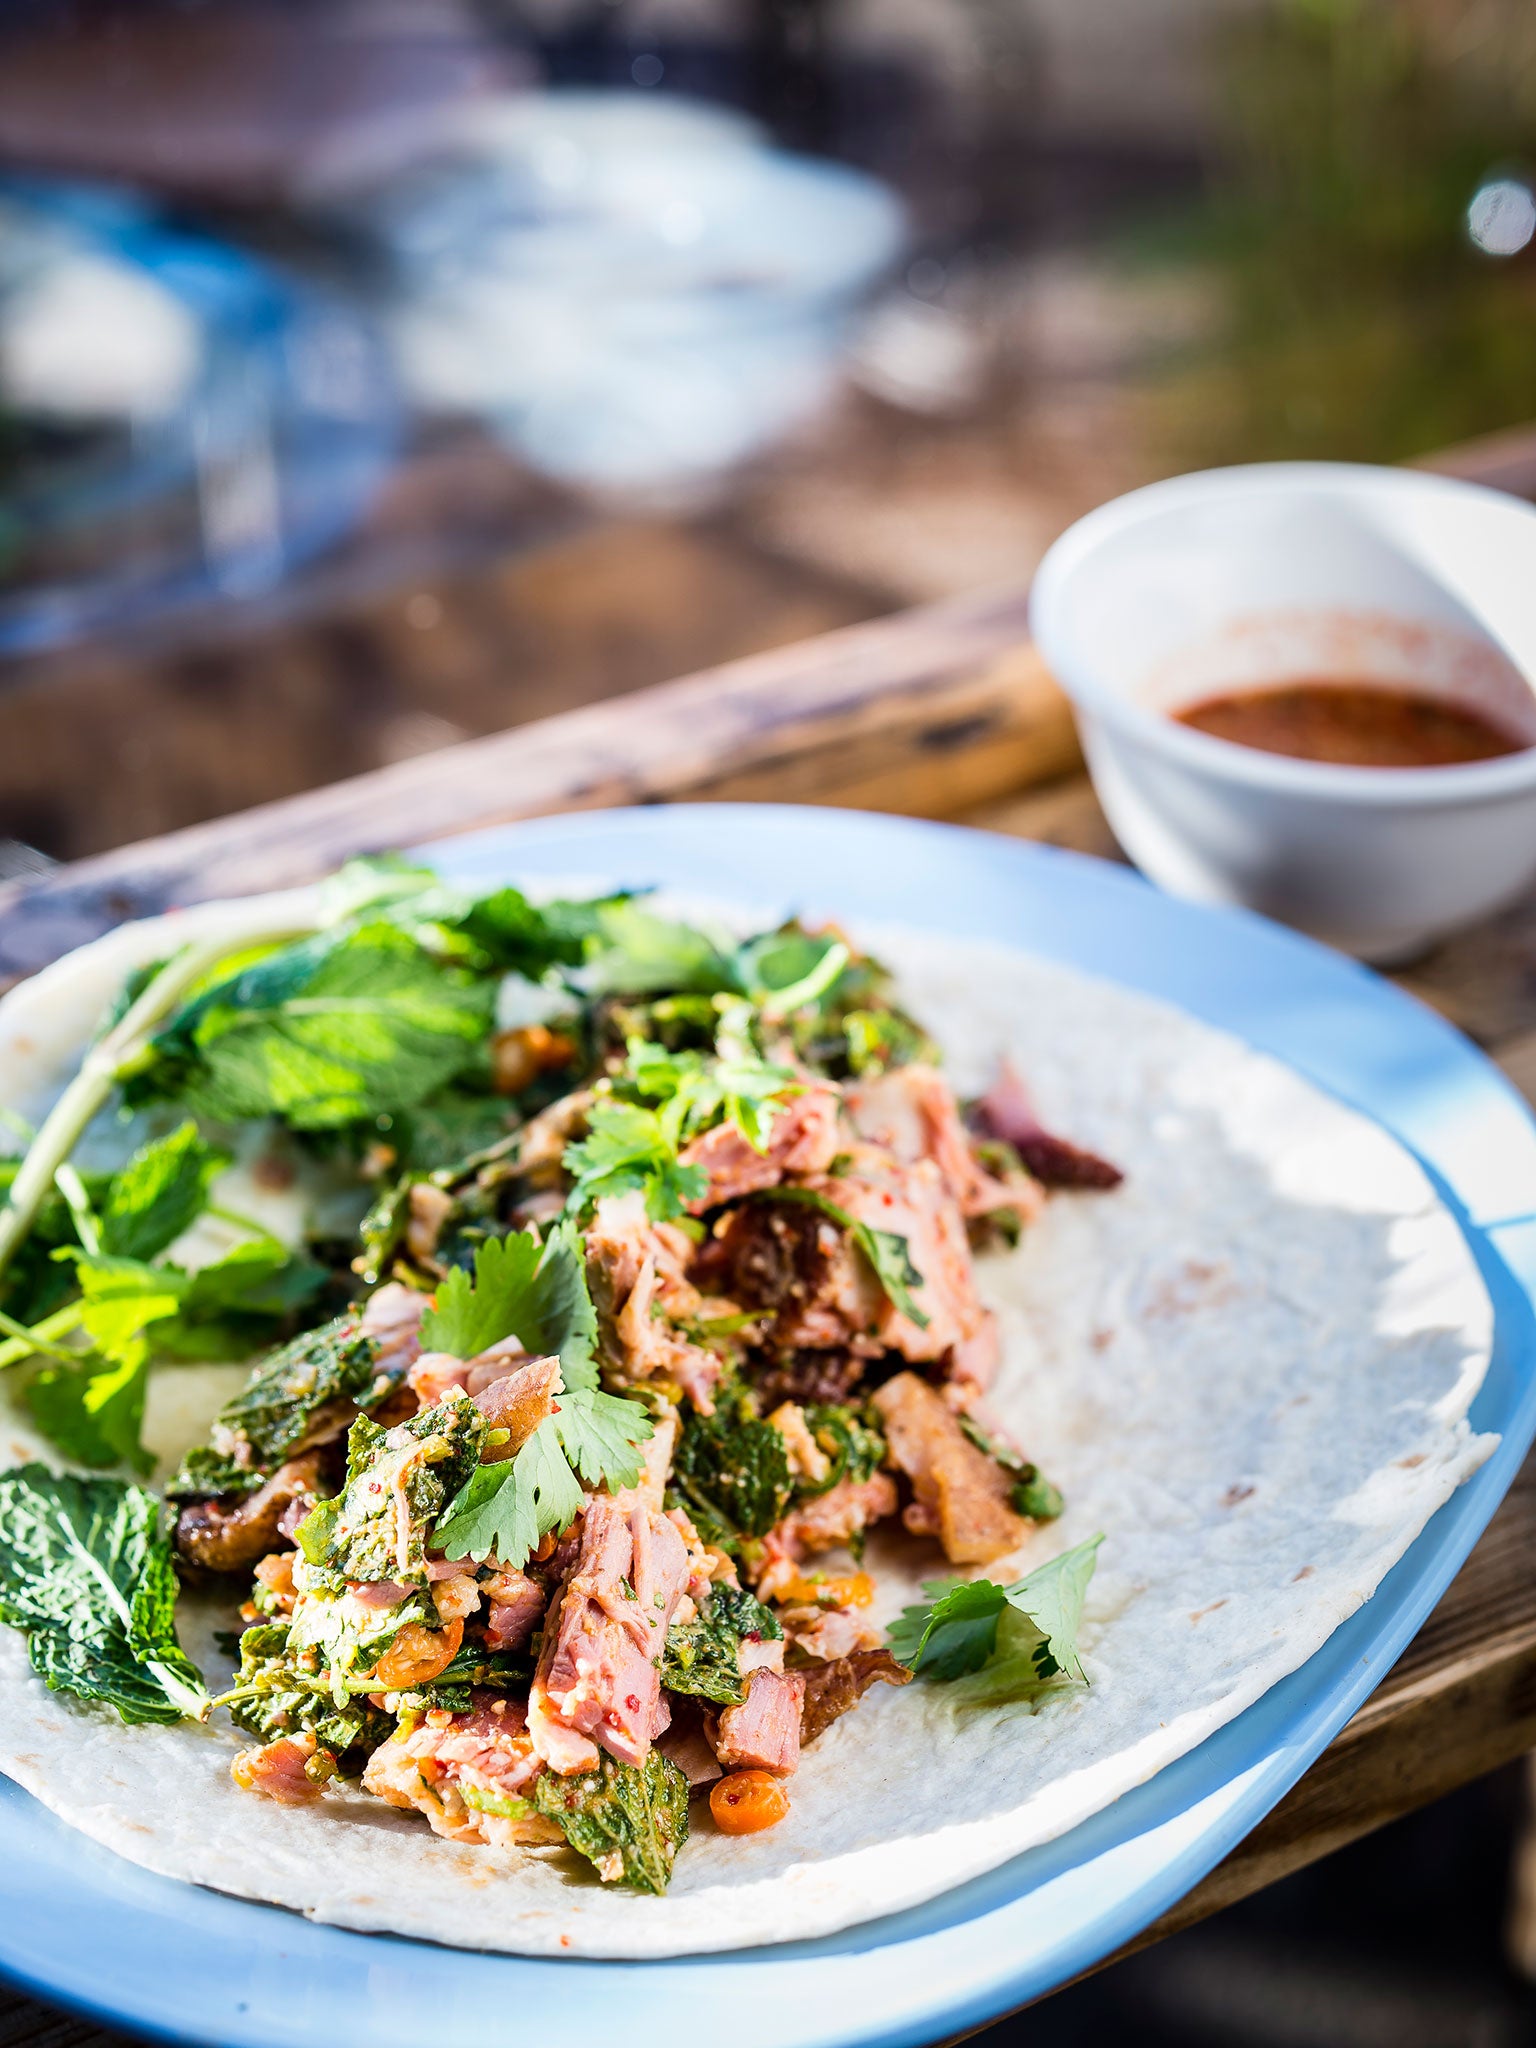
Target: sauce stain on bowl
{"x":1364,"y":724}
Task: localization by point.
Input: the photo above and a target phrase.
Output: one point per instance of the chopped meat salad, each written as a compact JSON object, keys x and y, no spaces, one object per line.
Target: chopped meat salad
{"x":546,"y":1504}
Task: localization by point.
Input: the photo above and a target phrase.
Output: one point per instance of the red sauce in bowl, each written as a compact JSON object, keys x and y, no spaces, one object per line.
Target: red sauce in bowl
{"x":1355,"y":725}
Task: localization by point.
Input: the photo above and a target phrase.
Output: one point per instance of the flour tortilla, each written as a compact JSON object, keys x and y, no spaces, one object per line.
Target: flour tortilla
{"x":1250,"y":1367}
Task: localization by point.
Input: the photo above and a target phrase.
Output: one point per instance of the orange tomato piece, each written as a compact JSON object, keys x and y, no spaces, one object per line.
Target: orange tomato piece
{"x":746,"y":1801}
{"x":856,"y":1590}
{"x":417,"y":1655}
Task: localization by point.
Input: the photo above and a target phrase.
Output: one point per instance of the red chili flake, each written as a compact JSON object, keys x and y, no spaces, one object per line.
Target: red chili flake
{"x":632,"y":1701}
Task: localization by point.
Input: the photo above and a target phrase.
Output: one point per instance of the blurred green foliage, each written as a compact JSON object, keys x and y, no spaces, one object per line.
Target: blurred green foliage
{"x":1361,"y":322}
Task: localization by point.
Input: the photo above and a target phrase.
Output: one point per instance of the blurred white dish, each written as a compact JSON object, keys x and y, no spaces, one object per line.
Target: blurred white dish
{"x":635,"y":290}
{"x":1276,"y":572}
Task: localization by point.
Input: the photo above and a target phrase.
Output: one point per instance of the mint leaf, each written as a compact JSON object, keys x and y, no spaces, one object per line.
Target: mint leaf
{"x":94,"y":1412}
{"x":641,"y":953}
{"x":86,"y":1571}
{"x":321,"y":1032}
{"x":637,"y":1811}
{"x":536,"y":1293}
{"x":160,"y":1191}
{"x":888,"y":1253}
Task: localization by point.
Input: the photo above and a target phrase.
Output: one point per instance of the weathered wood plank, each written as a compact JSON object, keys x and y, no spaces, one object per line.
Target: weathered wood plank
{"x":928,"y":712}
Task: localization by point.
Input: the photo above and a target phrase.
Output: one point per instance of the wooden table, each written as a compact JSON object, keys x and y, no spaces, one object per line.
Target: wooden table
{"x":942,"y":712}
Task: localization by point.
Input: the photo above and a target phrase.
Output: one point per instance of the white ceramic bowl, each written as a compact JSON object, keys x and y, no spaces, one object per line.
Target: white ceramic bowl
{"x":1273,"y":573}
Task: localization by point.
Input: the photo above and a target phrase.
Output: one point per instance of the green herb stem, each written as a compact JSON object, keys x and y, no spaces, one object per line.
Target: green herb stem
{"x":88,"y":1092}
{"x":26,"y":1343}
{"x":72,"y":1188}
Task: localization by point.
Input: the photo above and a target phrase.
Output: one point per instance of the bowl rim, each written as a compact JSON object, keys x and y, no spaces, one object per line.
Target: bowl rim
{"x":1505,"y":775}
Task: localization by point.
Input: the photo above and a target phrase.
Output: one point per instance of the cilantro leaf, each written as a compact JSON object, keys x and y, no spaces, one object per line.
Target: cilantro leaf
{"x":321,"y":1032}
{"x":954,"y":1632}
{"x":536,"y":1293}
{"x":697,"y":1089}
{"x":158,"y":1193}
{"x":507,"y":1508}
{"x":627,"y":1147}
{"x":86,"y":1571}
{"x":635,"y":1813}
{"x":887,"y":1251}
{"x":996,"y":1644}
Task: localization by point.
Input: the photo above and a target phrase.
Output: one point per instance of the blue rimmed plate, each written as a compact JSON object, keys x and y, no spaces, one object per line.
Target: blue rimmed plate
{"x":80,"y":1925}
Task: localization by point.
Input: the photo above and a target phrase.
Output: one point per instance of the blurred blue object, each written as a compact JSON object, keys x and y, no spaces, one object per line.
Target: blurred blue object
{"x":635,"y":292}
{"x":178,"y":421}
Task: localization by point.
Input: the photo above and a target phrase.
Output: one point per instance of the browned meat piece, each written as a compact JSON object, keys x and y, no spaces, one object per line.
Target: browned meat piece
{"x":1006,"y":1112}
{"x":639,"y":1286}
{"x":912,"y":1112}
{"x":392,"y":1317}
{"x":831,"y":1689}
{"x":597,"y":1680}
{"x":806,"y":1270}
{"x":823,"y":1523}
{"x":469,"y":1773}
{"x":428,"y":1208}
{"x":232,"y":1538}
{"x":961,"y":1494}
{"x":278,"y":1770}
{"x":688,"y":1746}
{"x":806,"y":1375}
{"x":913,"y":1202}
{"x":804,"y":1139}
{"x":763,"y":1733}
{"x":514,"y":1603}
{"x":519,"y":1402}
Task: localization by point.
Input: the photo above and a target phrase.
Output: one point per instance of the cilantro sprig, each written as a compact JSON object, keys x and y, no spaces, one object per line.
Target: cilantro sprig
{"x":538,"y":1294}
{"x":996,"y":1644}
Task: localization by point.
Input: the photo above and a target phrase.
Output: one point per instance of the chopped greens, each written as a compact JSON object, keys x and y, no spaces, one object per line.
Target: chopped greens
{"x":731,"y":1473}
{"x":703,"y":1656}
{"x":271,"y":1416}
{"x":398,"y":1483}
{"x":273,"y":1695}
{"x":86,"y":1572}
{"x":628,"y":1821}
{"x":994,"y":1644}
